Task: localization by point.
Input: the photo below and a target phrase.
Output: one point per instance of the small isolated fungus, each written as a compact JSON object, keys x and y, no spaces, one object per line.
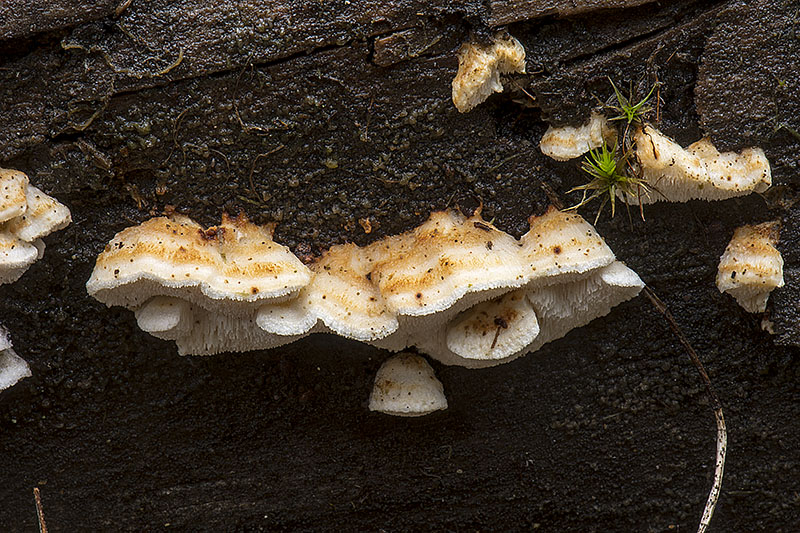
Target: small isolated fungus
{"x":26,"y":215}
{"x":12,"y":367}
{"x":751,"y":267}
{"x":480,"y":67}
{"x":699,"y":171}
{"x":406,"y":385}
{"x":568,"y":142}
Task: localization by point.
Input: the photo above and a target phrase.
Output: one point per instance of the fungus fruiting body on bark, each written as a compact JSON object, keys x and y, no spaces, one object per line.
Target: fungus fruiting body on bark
{"x":751,"y":267}
{"x":12,"y":367}
{"x":700,"y":171}
{"x":404,"y":290}
{"x":568,"y":142}
{"x":26,"y":215}
{"x":236,"y":261}
{"x":406,"y":385}
{"x":480,"y":67}
{"x":456,"y":287}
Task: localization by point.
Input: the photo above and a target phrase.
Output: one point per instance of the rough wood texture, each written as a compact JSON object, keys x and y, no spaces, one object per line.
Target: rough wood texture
{"x":316,"y":116}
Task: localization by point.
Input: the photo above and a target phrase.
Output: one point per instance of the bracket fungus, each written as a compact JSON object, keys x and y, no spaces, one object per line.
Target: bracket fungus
{"x":480,"y":67}
{"x":26,"y":215}
{"x":406,"y":385}
{"x":699,"y":171}
{"x":751,"y":267}
{"x":236,"y":261}
{"x":432,"y":287}
{"x":12,"y":367}
{"x":568,"y":142}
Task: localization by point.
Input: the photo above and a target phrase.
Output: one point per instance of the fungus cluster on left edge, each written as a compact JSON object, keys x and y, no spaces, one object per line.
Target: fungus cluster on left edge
{"x":26,"y":216}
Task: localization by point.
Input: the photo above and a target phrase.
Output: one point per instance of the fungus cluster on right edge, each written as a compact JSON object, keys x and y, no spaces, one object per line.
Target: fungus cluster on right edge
{"x":751,"y":267}
{"x":456,"y":287}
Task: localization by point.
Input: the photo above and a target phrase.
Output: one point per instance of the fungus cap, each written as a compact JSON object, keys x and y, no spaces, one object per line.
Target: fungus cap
{"x":751,"y":267}
{"x":480,"y":67}
{"x":343,"y":294}
{"x":286,"y":318}
{"x":406,"y":385}
{"x":700,"y":171}
{"x":562,"y":244}
{"x":234,"y":262}
{"x":16,"y":256}
{"x":26,"y":215}
{"x":568,"y":142}
{"x":165,"y":316}
{"x":430,"y":268}
{"x":13,"y":185}
{"x":42,"y":216}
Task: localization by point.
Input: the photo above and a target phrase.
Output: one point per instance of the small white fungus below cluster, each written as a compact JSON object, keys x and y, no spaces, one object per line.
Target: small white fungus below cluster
{"x":406,"y":385}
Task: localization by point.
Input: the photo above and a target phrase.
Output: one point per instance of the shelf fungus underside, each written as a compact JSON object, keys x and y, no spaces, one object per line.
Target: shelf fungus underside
{"x":751,"y":267}
{"x":456,"y":287}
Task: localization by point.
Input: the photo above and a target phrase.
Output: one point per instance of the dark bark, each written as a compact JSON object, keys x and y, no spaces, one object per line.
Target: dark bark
{"x":341,"y":111}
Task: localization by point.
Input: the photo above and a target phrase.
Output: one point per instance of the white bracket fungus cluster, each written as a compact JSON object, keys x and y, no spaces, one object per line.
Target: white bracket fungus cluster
{"x":456,"y":287}
{"x":673,"y":173}
{"x":751,"y":267}
{"x":12,"y":367}
{"x":26,"y":215}
{"x":480,"y":67}
{"x":568,"y":142}
{"x":699,"y":171}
